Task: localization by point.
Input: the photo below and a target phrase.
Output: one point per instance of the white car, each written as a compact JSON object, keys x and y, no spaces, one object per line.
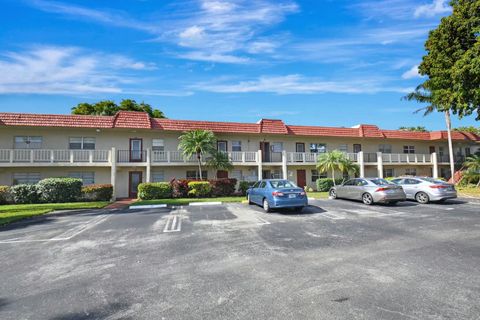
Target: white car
{"x":425,"y":189}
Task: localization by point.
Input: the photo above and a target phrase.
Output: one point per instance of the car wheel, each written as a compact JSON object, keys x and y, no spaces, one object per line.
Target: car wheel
{"x":367,"y":198}
{"x":333,"y":194}
{"x":422,"y":198}
{"x":266,"y":206}
{"x":249,"y":201}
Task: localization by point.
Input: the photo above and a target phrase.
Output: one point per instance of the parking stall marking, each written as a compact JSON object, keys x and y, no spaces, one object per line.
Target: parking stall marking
{"x":174,"y":224}
{"x":334,"y":215}
{"x":67,"y":235}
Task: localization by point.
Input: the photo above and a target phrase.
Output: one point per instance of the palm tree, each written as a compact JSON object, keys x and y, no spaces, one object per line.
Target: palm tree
{"x":197,"y":143}
{"x":336,"y":161}
{"x":473,"y":168}
{"x":219,"y":161}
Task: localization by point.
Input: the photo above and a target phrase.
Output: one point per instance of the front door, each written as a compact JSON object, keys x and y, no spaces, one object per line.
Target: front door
{"x":432,"y":149}
{"x":136,"y":150}
{"x":301,"y":178}
{"x":134,"y":179}
{"x":357,"y":148}
{"x":265,"y":147}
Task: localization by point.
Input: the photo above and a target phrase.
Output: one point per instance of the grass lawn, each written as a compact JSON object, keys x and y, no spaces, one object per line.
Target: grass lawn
{"x":183,"y":201}
{"x":469,"y":191}
{"x":14,"y":212}
{"x":318,"y":195}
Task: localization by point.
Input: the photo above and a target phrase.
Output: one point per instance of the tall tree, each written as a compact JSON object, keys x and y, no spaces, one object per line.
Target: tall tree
{"x":336,"y":161}
{"x":452,"y":66}
{"x":110,"y":108}
{"x":219,"y":161}
{"x":471,"y":129}
{"x":473,"y":168}
{"x":197,"y":143}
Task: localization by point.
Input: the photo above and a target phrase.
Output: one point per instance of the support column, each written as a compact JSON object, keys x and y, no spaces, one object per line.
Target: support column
{"x":284,"y":164}
{"x":435,"y":165}
{"x":361,"y":163}
{"x":113,"y":172}
{"x":379,"y":165}
{"x":259,"y":163}
{"x":149,"y":166}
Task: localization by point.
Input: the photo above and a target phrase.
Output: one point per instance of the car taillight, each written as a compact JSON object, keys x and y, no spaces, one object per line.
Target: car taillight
{"x":277,"y":194}
{"x":438,"y":186}
{"x":381,"y":189}
{"x":302,"y":193}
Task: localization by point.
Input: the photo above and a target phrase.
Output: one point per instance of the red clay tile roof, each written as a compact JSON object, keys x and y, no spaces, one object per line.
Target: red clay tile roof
{"x":141,"y":120}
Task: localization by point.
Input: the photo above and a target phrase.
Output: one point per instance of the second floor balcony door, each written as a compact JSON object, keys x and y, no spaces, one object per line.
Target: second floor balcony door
{"x":357,"y":148}
{"x":265,"y":147}
{"x":136,"y":150}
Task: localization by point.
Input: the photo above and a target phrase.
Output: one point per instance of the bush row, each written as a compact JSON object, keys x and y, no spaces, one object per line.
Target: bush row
{"x":325,"y":184}
{"x":55,"y":190}
{"x":187,"y":188}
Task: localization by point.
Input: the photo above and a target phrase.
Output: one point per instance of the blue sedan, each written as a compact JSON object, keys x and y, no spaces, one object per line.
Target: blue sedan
{"x":277,"y":193}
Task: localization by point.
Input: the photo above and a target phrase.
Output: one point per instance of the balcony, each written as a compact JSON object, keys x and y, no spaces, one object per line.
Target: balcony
{"x":43,"y":156}
{"x":311,"y":158}
{"x":248,"y":157}
{"x":130,"y":156}
{"x":389,"y":158}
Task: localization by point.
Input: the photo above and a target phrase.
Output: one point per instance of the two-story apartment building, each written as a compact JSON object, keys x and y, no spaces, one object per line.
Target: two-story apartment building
{"x":131,"y":147}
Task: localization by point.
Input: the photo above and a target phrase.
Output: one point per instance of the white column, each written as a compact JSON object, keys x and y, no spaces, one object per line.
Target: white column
{"x":361,"y":163}
{"x":113,"y":172}
{"x":435,"y":165}
{"x":259,"y":163}
{"x":284,"y":164}
{"x":379,"y":165}
{"x":149,"y":166}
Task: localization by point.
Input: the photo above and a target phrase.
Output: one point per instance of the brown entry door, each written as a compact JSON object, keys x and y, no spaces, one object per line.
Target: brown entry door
{"x":301,"y":178}
{"x":222,"y":174}
{"x":134,"y":179}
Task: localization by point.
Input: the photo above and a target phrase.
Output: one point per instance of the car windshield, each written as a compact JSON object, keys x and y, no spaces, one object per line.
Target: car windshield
{"x":431,"y":180}
{"x":282,"y":184}
{"x":381,"y":182}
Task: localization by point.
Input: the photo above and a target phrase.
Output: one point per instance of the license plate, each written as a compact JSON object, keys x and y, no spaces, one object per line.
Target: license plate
{"x":292,"y":195}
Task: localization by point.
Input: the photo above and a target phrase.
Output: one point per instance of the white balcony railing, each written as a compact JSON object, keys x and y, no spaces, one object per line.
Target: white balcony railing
{"x":406,"y":158}
{"x":53,"y":156}
{"x":177,"y":157}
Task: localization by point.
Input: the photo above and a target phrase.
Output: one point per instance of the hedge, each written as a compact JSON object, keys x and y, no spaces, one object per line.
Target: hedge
{"x":244,"y":185}
{"x":154,"y":190}
{"x":325,"y":184}
{"x":57,"y":190}
{"x":4,"y":194}
{"x":179,"y":188}
{"x":223,"y":187}
{"x":24,"y":193}
{"x":97,"y":192}
{"x":199,"y":189}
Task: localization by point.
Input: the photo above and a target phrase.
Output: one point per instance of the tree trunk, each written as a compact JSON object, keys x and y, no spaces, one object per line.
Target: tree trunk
{"x":333,"y":177}
{"x":450,"y":144}
{"x":199,"y":158}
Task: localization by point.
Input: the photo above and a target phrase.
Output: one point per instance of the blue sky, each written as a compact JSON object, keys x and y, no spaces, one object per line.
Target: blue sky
{"x":311,"y":62}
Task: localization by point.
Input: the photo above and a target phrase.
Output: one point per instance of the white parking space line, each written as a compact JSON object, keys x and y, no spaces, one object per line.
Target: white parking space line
{"x":332,"y":215}
{"x":67,"y":235}
{"x":263,"y":221}
{"x":211,"y":203}
{"x":174,"y":224}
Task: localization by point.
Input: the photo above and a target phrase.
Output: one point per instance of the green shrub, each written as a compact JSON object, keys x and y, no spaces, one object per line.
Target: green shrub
{"x":244,"y":185}
{"x":154,"y":190}
{"x":25,"y":193}
{"x":4,"y":194}
{"x":199,"y":189}
{"x":223,"y":187}
{"x":179,"y":188}
{"x":325,"y":184}
{"x":97,"y":192}
{"x":56,"y":190}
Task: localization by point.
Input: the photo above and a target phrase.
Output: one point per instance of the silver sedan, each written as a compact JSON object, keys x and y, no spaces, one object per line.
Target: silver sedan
{"x":369,"y":190}
{"x":425,"y":189}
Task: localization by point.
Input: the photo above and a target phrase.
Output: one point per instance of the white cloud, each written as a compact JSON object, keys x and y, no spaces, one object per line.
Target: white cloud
{"x":437,"y":7}
{"x":69,"y":70}
{"x":411,"y":73}
{"x":297,"y":84}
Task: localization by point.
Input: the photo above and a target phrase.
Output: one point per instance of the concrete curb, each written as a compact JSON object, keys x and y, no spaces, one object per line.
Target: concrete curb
{"x":211,"y":203}
{"x":148,"y":206}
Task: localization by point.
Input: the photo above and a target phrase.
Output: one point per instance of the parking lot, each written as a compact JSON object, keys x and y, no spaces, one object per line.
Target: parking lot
{"x":335,"y":260}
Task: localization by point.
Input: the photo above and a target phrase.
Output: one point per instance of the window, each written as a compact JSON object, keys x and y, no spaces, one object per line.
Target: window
{"x":318,"y":147}
{"x":236,"y":146}
{"x":262,"y":185}
{"x":222,"y":146}
{"x":82,"y":143}
{"x":277,"y":146}
{"x":343,"y":148}
{"x":87,"y":177}
{"x":388,"y":172}
{"x":468,"y":151}
{"x":276,"y":174}
{"x":381,"y":182}
{"x":408,"y":149}
{"x":28,"y":142}
{"x":360,"y":182}
{"x":411,"y":171}
{"x":158,"y":145}
{"x":385,"y":148}
{"x":158,"y":176}
{"x":194,"y":174}
{"x":349,"y":183}
{"x":26,"y":178}
{"x":237,"y":174}
{"x":282,"y":184}
{"x":316,"y":175}
{"x":411,"y":181}
{"x":255,"y":185}
{"x":441,"y":151}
